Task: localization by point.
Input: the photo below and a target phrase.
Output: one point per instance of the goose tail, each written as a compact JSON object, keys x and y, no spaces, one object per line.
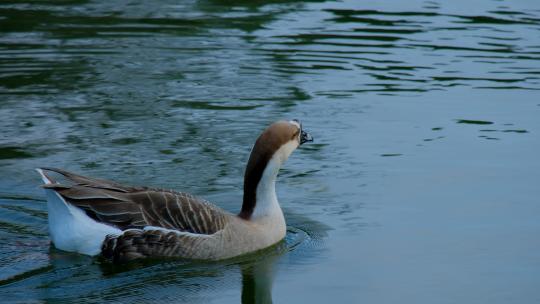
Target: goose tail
{"x":70,"y":228}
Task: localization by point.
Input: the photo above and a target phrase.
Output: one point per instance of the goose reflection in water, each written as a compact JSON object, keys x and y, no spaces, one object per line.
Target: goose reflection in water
{"x":257,"y":280}
{"x":182,"y":281}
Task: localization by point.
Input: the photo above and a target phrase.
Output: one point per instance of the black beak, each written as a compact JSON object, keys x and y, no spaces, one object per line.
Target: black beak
{"x":305,"y":137}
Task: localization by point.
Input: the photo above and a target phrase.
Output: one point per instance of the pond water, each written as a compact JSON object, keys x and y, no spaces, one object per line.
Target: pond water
{"x":422,"y":185}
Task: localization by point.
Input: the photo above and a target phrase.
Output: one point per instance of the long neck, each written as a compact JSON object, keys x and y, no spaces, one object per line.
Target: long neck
{"x":260,"y":179}
{"x":266,"y":198}
{"x":260,"y":189}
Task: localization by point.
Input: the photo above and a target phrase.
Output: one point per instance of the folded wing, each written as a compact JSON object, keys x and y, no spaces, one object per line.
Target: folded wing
{"x":138,"y":243}
{"x":128,"y":207}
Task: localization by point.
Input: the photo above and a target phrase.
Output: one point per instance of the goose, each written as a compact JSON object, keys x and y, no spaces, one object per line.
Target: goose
{"x":121,"y":223}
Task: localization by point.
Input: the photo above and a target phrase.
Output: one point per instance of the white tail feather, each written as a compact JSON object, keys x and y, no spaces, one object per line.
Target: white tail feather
{"x":44,"y":177}
{"x":70,"y":228}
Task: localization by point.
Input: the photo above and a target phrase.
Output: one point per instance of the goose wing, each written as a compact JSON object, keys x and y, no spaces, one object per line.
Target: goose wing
{"x":142,"y":243}
{"x":128,"y":207}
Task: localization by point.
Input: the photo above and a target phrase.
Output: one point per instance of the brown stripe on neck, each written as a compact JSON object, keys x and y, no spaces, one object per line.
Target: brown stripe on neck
{"x":266,"y":145}
{"x":254,"y":171}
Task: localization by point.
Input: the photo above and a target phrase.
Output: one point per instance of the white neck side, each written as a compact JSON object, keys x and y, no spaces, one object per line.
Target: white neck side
{"x":267,"y":203}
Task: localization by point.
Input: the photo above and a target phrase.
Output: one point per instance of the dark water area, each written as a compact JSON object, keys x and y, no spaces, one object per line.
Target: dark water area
{"x":423,"y":184}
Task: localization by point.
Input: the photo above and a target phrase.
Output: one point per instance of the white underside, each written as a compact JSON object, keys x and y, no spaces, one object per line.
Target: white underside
{"x":70,"y":228}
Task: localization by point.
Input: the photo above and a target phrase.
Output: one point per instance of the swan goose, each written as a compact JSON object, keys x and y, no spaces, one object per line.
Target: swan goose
{"x":122,"y":223}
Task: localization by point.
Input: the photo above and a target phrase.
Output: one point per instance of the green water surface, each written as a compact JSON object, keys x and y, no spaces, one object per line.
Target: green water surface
{"x":422,"y":185}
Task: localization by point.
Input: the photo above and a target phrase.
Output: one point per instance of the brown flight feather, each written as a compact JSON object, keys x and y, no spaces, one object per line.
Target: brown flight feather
{"x":136,"y":207}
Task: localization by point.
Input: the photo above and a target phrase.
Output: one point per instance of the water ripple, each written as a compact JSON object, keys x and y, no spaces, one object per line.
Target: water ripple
{"x":149,"y":92}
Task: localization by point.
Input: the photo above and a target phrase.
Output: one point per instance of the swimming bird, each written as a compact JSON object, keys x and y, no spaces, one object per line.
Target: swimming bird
{"x":121,"y":223}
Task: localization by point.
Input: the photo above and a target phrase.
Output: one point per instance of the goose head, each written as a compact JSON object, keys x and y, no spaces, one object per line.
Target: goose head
{"x":272,"y":148}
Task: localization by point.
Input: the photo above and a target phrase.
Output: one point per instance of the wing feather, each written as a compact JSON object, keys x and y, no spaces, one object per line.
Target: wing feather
{"x":136,"y":207}
{"x":138,"y":243}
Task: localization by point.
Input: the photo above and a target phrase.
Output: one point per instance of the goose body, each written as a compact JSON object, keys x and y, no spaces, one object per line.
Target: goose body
{"x":99,"y":217}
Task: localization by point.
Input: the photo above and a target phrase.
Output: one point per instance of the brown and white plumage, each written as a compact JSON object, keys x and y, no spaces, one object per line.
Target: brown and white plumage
{"x":94,"y":216}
